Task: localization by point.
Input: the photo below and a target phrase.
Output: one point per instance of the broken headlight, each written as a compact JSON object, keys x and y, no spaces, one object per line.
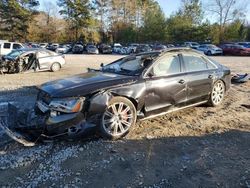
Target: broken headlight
{"x":68,"y":105}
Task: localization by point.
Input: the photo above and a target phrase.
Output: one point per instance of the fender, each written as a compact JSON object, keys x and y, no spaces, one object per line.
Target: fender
{"x":136,"y":93}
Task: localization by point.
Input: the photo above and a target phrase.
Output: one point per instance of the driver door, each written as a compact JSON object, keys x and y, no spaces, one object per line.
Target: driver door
{"x":165,"y":85}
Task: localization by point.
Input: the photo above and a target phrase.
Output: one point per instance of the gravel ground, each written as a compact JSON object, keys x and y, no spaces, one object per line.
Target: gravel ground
{"x":196,"y":147}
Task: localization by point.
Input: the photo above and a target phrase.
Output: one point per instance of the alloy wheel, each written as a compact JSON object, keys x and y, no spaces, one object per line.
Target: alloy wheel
{"x":117,"y":119}
{"x":218,"y":92}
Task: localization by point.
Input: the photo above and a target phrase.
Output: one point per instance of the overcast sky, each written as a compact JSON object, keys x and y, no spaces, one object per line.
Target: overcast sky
{"x":168,"y":6}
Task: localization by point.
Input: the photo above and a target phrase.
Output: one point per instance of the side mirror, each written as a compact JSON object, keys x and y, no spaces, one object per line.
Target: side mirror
{"x":102,"y":65}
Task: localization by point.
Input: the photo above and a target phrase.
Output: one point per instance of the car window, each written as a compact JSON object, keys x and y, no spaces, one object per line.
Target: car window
{"x":6,"y":45}
{"x":194,"y":63}
{"x":167,"y":65}
{"x":17,"y":46}
{"x":42,"y":54}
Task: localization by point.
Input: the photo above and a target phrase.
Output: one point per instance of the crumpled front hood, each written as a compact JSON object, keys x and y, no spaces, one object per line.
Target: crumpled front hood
{"x":83,"y":84}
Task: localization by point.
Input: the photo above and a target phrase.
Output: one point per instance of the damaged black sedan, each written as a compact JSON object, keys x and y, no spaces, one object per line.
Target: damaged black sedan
{"x":110,"y":100}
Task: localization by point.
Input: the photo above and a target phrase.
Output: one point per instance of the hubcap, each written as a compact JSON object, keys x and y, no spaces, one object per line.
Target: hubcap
{"x":56,"y":67}
{"x":218,"y":93}
{"x":117,"y":119}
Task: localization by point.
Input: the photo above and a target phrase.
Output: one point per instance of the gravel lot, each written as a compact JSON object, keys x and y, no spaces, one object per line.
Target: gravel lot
{"x":197,"y":147}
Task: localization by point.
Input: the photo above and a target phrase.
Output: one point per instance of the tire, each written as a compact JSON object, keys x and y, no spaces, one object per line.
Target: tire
{"x":118,"y":119}
{"x":217,"y":94}
{"x":55,"y":67}
{"x":209,"y":53}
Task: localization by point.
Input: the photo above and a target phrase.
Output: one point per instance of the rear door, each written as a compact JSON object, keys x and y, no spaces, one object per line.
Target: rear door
{"x":199,"y":76}
{"x":165,"y":85}
{"x":45,"y":59}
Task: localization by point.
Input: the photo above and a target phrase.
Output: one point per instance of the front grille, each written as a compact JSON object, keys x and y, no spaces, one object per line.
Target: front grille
{"x":43,"y":96}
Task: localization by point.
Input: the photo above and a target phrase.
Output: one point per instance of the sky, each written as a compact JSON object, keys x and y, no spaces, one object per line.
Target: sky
{"x":168,"y":6}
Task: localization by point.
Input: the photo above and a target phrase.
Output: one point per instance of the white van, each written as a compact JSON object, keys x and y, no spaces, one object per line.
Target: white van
{"x":7,"y":47}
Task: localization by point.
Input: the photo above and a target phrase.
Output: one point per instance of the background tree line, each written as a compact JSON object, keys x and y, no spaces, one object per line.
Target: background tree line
{"x":123,"y":21}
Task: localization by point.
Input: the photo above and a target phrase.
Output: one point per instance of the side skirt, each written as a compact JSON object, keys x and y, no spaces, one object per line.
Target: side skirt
{"x":173,"y":110}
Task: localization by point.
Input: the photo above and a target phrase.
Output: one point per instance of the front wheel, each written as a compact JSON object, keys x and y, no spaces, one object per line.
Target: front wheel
{"x":209,"y":53}
{"x":118,"y":118}
{"x":217,"y":94}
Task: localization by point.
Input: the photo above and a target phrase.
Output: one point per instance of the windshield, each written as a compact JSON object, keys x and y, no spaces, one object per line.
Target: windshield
{"x":212,"y":46}
{"x":131,"y":65}
{"x":14,"y":53}
{"x":194,"y":43}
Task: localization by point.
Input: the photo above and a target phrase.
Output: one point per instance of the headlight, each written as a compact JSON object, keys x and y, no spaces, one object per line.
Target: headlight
{"x":68,"y":105}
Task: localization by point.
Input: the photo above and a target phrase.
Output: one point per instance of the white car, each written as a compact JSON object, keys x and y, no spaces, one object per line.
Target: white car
{"x":193,"y":45}
{"x":210,"y":49}
{"x":7,"y":47}
{"x":43,"y":45}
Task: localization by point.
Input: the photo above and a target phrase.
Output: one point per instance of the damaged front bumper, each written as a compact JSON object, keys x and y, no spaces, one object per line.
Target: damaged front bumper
{"x":27,"y":128}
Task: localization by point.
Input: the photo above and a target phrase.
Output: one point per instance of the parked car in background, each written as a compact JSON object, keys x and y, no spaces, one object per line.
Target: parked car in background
{"x":7,"y":47}
{"x":32,"y":59}
{"x":110,"y":100}
{"x":234,"y":49}
{"x":193,"y":45}
{"x":245,"y":44}
{"x":124,"y":50}
{"x":159,"y":47}
{"x":43,"y":45}
{"x":92,"y":49}
{"x":132,"y":48}
{"x":63,"y":49}
{"x":170,"y":45}
{"x":54,"y":46}
{"x":117,"y":48}
{"x":77,"y":49}
{"x":143,"y":48}
{"x":210,"y":49}
{"x":105,"y":49}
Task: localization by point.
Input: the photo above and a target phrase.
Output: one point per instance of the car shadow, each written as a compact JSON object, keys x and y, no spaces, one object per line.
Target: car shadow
{"x":211,"y":160}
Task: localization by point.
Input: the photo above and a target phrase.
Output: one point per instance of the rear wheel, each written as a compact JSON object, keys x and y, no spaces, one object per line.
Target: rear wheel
{"x":118,"y":118}
{"x":55,"y":67}
{"x":217,"y":94}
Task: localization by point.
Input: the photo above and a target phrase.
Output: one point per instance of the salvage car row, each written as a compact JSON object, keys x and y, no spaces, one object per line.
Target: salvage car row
{"x":240,"y":48}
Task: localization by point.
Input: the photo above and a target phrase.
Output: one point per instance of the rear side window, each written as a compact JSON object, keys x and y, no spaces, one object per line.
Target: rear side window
{"x":17,"y":46}
{"x":6,"y":45}
{"x":194,"y":63}
{"x":42,"y":54}
{"x":167,"y":65}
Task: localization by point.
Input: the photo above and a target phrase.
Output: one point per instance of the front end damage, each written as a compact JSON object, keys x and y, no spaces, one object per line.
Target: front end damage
{"x":30,"y":126}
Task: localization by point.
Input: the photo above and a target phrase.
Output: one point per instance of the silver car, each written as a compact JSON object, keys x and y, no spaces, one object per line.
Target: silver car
{"x":32,"y":60}
{"x":210,"y":49}
{"x":91,"y":49}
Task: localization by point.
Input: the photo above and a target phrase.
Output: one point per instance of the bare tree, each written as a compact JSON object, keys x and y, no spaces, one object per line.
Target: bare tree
{"x":226,"y":11}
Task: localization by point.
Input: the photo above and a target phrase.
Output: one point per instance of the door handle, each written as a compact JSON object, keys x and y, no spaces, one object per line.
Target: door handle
{"x":210,"y":76}
{"x":181,"y":81}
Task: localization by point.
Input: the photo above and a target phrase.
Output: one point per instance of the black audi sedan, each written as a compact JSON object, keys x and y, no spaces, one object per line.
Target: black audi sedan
{"x":141,"y":86}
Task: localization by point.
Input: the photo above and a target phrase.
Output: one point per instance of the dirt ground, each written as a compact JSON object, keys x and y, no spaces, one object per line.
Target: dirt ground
{"x":196,"y":147}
